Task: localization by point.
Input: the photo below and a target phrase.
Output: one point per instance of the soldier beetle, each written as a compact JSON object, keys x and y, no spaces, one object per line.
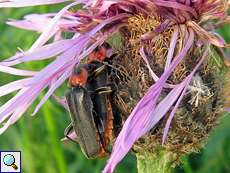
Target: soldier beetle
{"x":90,"y":105}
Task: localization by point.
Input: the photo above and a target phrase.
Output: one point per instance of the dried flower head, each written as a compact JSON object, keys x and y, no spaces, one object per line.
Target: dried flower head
{"x":165,"y":63}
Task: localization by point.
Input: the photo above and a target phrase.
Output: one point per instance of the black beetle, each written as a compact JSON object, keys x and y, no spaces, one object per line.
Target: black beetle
{"x":91,"y":107}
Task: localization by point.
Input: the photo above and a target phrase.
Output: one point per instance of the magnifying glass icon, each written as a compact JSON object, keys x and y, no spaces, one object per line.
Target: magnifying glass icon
{"x":9,"y":160}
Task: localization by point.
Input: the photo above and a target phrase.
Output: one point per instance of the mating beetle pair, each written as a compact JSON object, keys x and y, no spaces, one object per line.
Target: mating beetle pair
{"x":90,"y":105}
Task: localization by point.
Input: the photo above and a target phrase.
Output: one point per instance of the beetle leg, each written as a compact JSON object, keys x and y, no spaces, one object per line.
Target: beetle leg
{"x":67,"y":131}
{"x":109,"y":123}
{"x":121,"y":105}
{"x":104,"y":90}
{"x":99,"y":70}
{"x":102,"y":152}
{"x":108,"y":132}
{"x":99,"y":122}
{"x":117,"y":119}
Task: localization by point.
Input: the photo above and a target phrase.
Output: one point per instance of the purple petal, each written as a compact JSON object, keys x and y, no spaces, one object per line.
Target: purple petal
{"x":50,"y":30}
{"x":25,"y":3}
{"x":17,"y":72}
{"x":13,"y":86}
{"x":21,"y":98}
{"x":45,"y":52}
{"x":154,"y":76}
{"x":171,"y":48}
{"x":176,"y":5}
{"x":142,"y":53}
{"x":54,"y":86}
{"x":19,"y":105}
{"x":61,"y":101}
{"x":72,"y":135}
{"x":38,"y":22}
{"x":185,"y":85}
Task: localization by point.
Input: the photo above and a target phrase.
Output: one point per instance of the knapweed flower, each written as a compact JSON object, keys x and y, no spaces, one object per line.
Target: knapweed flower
{"x":165,"y":63}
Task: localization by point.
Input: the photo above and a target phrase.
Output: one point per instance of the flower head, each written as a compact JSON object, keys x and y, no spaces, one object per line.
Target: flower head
{"x":182,"y":23}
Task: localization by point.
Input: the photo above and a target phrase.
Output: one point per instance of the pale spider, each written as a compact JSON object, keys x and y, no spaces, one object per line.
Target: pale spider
{"x":199,"y":91}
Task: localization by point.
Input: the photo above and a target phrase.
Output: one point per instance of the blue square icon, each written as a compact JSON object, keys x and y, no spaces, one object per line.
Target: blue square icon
{"x":10,"y":161}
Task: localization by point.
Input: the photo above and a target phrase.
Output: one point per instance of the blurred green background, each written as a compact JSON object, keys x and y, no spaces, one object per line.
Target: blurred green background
{"x":39,"y":137}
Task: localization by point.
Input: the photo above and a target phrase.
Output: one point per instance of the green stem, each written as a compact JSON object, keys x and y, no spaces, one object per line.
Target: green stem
{"x":155,"y":162}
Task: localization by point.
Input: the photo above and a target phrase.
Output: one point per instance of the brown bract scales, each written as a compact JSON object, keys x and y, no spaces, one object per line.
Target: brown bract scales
{"x":203,"y":103}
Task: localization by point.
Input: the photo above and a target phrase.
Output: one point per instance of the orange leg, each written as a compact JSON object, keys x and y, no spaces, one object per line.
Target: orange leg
{"x":109,"y":124}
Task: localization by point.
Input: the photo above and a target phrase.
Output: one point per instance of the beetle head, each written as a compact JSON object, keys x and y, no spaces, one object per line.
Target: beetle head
{"x":100,"y":53}
{"x":79,"y":76}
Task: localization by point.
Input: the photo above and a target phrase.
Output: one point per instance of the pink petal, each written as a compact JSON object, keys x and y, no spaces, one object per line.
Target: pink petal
{"x":175,"y":5}
{"x":72,"y":135}
{"x":61,"y":101}
{"x":25,"y":3}
{"x":50,"y":30}
{"x":54,"y":86}
{"x":17,"y":72}
{"x":13,"y":86}
{"x":45,"y":52}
